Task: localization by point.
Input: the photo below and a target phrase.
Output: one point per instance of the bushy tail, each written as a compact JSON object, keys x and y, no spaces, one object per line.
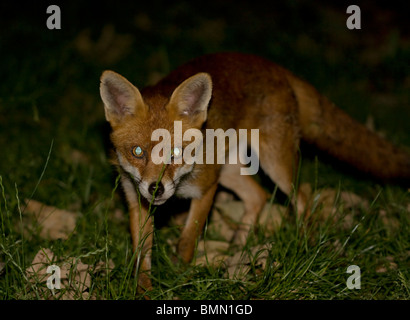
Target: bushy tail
{"x":335,"y":132}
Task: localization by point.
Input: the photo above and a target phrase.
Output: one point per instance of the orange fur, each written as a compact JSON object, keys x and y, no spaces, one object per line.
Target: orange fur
{"x":248,"y":92}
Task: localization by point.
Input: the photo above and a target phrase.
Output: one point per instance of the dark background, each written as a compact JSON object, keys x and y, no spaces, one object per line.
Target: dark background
{"x":49,"y":90}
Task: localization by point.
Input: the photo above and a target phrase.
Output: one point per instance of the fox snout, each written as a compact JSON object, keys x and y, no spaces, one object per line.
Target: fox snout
{"x":156,"y":189}
{"x":157,"y":192}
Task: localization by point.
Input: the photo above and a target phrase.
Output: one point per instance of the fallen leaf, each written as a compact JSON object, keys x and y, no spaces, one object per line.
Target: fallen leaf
{"x":103,"y":267}
{"x":42,"y":259}
{"x":387,"y":266}
{"x":271,"y":217}
{"x":226,"y":217}
{"x":75,"y":278}
{"x":330,"y":202}
{"x":219,"y":226}
{"x":54,"y":223}
{"x":239,"y":265}
{"x":231,"y":210}
{"x":224,"y":221}
{"x":211,"y":252}
{"x":352,"y":200}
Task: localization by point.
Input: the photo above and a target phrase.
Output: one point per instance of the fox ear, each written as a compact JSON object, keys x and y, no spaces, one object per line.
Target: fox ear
{"x":120,"y":97}
{"x":191,"y":98}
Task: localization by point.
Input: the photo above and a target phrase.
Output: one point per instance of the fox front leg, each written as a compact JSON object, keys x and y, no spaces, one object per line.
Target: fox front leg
{"x":141,"y":227}
{"x":198,"y":213}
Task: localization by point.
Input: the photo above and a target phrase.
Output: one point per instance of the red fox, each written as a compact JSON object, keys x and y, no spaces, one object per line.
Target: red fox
{"x":228,"y":90}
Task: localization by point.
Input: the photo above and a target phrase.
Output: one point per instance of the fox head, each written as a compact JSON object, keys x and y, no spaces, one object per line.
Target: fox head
{"x":134,"y":117}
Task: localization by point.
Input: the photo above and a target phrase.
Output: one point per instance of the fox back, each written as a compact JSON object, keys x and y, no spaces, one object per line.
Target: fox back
{"x":247,"y":92}
{"x":229,"y":92}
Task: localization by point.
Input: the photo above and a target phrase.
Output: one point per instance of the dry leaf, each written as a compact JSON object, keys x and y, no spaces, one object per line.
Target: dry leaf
{"x":223,"y":224}
{"x":219,"y":228}
{"x":55,"y":223}
{"x":75,"y":279}
{"x":242,"y":261}
{"x":329,"y":202}
{"x":271,"y":217}
{"x":352,"y":200}
{"x":238,"y":265}
{"x":224,"y":221}
{"x":389,"y":265}
{"x":226,"y":218}
{"x":103,"y":267}
{"x":231,"y":210}
{"x":211,"y":252}
{"x":41,"y":261}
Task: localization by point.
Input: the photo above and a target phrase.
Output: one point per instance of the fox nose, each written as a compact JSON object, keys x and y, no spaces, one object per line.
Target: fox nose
{"x":153,"y":186}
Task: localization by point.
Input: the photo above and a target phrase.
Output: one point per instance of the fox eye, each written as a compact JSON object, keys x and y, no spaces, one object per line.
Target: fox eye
{"x":137,"y":152}
{"x":176,"y":152}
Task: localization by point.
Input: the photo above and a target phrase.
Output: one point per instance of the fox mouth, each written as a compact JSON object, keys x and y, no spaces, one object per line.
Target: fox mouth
{"x":157,"y":202}
{"x":157,"y":197}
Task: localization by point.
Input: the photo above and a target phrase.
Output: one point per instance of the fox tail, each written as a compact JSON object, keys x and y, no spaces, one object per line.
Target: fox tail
{"x":335,"y":132}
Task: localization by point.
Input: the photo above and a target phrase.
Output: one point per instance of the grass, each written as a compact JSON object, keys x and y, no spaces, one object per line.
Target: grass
{"x":54,"y":146}
{"x":305,"y":262}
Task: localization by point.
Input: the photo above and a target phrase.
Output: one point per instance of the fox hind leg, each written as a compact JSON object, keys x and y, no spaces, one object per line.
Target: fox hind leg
{"x":279,"y":159}
{"x":250,"y":192}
